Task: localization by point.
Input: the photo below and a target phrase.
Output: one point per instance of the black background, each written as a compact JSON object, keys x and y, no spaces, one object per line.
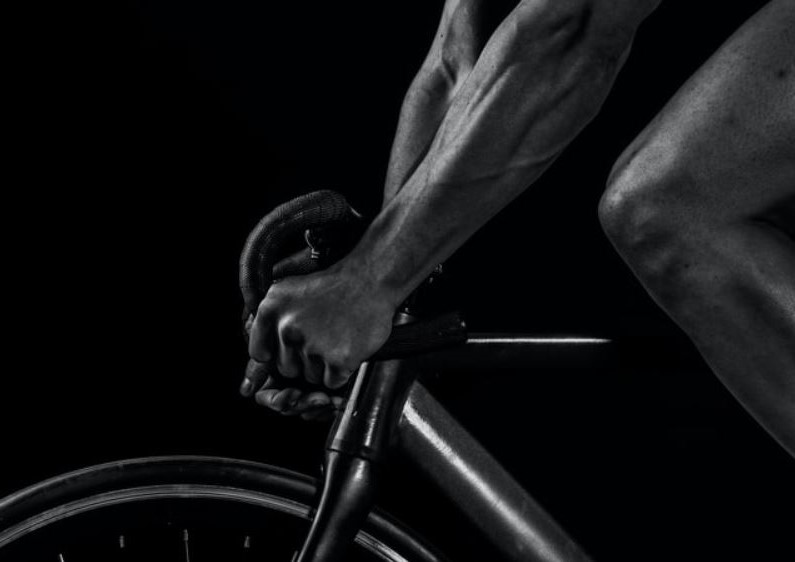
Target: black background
{"x":153,"y":135}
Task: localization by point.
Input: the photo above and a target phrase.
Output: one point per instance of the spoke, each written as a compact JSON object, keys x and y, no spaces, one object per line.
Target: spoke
{"x":186,"y":542}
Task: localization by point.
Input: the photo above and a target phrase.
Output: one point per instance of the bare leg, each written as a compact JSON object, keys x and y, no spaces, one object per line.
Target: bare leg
{"x":456,"y":46}
{"x":702,"y":207}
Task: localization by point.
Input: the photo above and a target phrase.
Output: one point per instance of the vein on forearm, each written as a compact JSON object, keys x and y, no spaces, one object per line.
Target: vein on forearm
{"x":530,"y":93}
{"x":452,"y":55}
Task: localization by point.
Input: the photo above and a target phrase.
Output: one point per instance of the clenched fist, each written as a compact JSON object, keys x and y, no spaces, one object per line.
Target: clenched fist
{"x":318,"y":327}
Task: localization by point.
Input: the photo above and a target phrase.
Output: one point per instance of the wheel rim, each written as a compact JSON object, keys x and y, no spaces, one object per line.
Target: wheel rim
{"x":284,"y":492}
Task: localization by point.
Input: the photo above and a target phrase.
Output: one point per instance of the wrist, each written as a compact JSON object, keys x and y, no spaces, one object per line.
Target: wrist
{"x":393,"y":256}
{"x":366,"y":278}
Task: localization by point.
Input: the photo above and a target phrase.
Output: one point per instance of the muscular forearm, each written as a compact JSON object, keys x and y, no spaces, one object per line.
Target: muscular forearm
{"x":450,"y":59}
{"x":425,"y":105}
{"x":541,"y":78}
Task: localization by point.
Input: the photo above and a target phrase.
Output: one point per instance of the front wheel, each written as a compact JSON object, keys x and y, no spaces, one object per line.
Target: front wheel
{"x":187,"y":509}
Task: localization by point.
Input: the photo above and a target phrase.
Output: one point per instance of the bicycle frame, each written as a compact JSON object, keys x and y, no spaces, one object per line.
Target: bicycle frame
{"x":382,"y":408}
{"x":386,"y":408}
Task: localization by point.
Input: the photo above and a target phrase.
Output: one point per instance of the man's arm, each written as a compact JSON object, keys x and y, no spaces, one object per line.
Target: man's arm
{"x":540,"y":79}
{"x":453,"y":53}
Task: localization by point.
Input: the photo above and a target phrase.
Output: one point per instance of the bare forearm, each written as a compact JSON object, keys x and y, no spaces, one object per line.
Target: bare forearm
{"x":534,"y":87}
{"x":424,"y":107}
{"x":450,"y":59}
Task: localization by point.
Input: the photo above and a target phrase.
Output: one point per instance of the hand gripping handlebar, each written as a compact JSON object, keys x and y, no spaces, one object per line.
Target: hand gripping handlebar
{"x":363,"y":433}
{"x":326,"y":213}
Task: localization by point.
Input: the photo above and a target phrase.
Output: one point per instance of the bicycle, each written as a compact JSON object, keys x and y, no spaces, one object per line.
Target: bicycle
{"x":192,"y":507}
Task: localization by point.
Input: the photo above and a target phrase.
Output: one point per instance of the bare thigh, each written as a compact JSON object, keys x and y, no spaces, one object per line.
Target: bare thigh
{"x":729,"y":133}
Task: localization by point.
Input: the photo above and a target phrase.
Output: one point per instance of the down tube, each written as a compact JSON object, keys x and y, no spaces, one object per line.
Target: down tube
{"x":478,"y":484}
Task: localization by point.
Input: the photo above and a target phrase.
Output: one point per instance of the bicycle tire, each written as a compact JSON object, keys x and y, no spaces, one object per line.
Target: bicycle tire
{"x":59,"y":506}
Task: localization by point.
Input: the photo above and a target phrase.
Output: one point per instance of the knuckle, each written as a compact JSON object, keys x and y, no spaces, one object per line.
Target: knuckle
{"x":265,"y":398}
{"x":290,"y":331}
{"x":263,"y":309}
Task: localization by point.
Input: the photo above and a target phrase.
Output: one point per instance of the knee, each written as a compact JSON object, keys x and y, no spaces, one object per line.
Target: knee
{"x":636,"y":208}
{"x":650,"y":214}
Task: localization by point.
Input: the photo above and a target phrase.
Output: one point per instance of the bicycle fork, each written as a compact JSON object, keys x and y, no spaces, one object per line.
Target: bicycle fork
{"x":355,"y":453}
{"x":386,"y":409}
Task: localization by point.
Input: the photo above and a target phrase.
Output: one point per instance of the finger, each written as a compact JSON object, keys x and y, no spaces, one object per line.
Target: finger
{"x":287,"y":400}
{"x":312,"y":401}
{"x":265,"y":397}
{"x":300,"y":263}
{"x":262,"y":338}
{"x":273,"y":382}
{"x":335,"y":377}
{"x":337,"y":402}
{"x":309,"y":402}
{"x":289,"y":362}
{"x":281,"y":400}
{"x":313,"y":367}
{"x":320,"y":414}
{"x":249,"y":323}
{"x":256,"y":375}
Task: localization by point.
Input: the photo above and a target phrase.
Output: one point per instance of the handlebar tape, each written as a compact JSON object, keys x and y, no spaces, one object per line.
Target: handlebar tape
{"x":313,"y":210}
{"x":423,"y":336}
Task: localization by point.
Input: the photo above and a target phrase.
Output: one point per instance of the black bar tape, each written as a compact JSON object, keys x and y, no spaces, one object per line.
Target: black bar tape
{"x":263,"y":245}
{"x":423,"y":336}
